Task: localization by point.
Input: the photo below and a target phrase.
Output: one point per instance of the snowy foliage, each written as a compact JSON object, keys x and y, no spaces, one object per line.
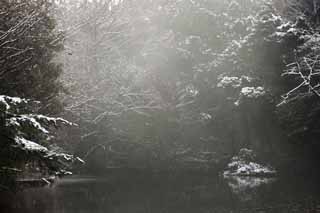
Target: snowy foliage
{"x":18,"y":116}
{"x":234,"y":82}
{"x":310,"y":45}
{"x":29,"y":146}
{"x":27,"y":129}
{"x":243,"y":168}
{"x":286,"y":29}
{"x":239,"y":83}
{"x":7,"y":101}
{"x":244,"y":165}
{"x":302,"y":40}
{"x":35,"y":121}
{"x":205,"y":116}
{"x":252,"y":92}
{"x":23,"y":119}
{"x":227,"y":81}
{"x":244,"y":175}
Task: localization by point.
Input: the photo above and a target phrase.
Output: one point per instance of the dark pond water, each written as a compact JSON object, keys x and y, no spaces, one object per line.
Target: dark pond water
{"x":166,"y":193}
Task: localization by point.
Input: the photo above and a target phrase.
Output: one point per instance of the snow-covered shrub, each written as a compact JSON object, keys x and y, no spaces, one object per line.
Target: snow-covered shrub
{"x":244,"y":174}
{"x":240,"y":85}
{"x":228,"y":81}
{"x":252,"y":92}
{"x":244,"y":164}
{"x":233,"y":81}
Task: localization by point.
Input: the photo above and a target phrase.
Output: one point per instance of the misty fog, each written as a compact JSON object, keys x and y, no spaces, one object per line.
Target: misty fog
{"x":159,"y":106}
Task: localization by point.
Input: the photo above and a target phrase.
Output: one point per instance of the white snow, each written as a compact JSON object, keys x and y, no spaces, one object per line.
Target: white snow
{"x":227,"y":81}
{"x":243,"y":174}
{"x":52,"y":120}
{"x":13,"y":122}
{"x":205,"y":116}
{"x":64,"y":172}
{"x":247,"y":78}
{"x":233,"y":81}
{"x":16,"y":100}
{"x":52,"y":154}
{"x":31,"y":120}
{"x":29,"y":145}
{"x":2,"y":100}
{"x":244,"y":165}
{"x":252,"y":92}
{"x":35,"y":120}
{"x":7,"y":100}
{"x":80,"y":160}
{"x":239,"y":167}
{"x":280,"y":34}
{"x":285,"y":25}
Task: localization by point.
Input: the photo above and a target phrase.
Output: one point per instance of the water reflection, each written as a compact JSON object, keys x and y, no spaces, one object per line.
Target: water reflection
{"x":156,"y":194}
{"x":244,"y":187}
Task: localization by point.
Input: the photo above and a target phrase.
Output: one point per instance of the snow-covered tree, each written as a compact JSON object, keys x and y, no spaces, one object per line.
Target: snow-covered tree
{"x":25,"y":138}
{"x":28,"y":44}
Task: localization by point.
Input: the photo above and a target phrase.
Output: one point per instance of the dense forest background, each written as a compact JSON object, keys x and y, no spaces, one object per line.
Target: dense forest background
{"x":157,"y":84}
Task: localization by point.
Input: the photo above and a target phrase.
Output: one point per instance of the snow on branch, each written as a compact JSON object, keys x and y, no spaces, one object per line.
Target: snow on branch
{"x":252,"y":92}
{"x":233,"y":81}
{"x":305,"y":71}
{"x":25,"y":125}
{"x":37,"y":121}
{"x":28,"y":145}
{"x":51,"y":120}
{"x":7,"y":101}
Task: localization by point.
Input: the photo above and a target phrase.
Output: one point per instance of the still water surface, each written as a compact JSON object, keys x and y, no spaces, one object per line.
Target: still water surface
{"x":163,"y":193}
